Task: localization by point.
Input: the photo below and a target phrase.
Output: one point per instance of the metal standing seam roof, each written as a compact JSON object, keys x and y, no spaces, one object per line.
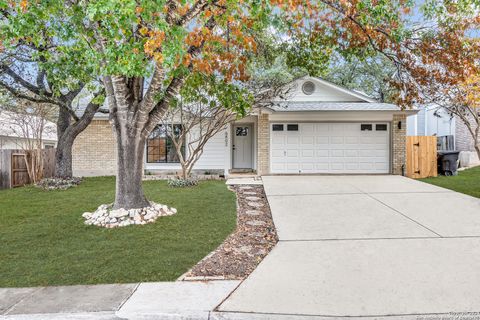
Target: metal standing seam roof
{"x":296,"y":106}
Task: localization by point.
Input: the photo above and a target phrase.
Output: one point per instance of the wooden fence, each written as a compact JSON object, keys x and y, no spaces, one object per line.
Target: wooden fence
{"x":421,"y":156}
{"x":13,"y":169}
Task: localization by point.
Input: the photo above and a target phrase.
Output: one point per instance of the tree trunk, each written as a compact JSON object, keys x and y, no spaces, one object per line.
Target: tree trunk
{"x":67,"y":131}
{"x":129,"y":191}
{"x":63,"y":158}
{"x":477,"y":148}
{"x":63,"y":154}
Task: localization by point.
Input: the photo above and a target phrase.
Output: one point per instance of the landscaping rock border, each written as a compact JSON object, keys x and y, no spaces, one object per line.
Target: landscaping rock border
{"x":107,"y":217}
{"x":58,"y":183}
{"x":246,"y":247}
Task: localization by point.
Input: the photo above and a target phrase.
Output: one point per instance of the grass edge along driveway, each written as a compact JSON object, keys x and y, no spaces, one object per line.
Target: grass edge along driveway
{"x":44,"y":241}
{"x":467,"y":181}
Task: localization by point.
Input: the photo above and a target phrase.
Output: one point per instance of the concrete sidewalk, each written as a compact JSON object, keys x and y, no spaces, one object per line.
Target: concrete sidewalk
{"x":156,"y":300}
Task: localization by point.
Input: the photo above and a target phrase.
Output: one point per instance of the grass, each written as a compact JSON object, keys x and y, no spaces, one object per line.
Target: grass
{"x":467,"y":181}
{"x":44,"y":241}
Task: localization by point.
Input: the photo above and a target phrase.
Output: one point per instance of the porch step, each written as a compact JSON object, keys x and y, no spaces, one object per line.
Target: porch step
{"x":244,"y":180}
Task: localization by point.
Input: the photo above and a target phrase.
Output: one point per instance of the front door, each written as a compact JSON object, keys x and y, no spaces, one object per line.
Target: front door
{"x":242,"y":146}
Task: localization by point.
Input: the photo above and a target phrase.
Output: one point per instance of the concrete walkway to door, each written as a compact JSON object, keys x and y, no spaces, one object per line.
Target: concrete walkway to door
{"x":362,"y":246}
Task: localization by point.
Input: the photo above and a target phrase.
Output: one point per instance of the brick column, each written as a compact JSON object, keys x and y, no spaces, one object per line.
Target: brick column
{"x":399,"y":148}
{"x":263,"y":156}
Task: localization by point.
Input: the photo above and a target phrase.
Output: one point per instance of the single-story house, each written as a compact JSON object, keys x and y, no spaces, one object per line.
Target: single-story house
{"x":15,"y":131}
{"x":321,"y":128}
{"x":452,"y":133}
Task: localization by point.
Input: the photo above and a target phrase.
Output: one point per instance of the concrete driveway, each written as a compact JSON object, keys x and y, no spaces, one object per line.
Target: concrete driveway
{"x":365,"y":246}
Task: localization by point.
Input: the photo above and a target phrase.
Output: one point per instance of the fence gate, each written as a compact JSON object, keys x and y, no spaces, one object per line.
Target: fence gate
{"x":19,"y":176}
{"x":421,"y":156}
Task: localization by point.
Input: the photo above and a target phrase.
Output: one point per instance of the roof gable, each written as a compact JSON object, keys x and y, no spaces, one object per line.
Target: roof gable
{"x":324,"y":91}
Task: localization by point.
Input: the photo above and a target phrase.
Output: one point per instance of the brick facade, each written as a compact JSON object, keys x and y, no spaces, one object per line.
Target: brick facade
{"x":399,"y":148}
{"x":94,"y":150}
{"x":463,"y":138}
{"x":263,"y":166}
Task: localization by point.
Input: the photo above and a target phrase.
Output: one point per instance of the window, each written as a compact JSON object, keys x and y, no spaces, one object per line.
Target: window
{"x":49,"y":146}
{"x":241,"y":131}
{"x":277,"y":127}
{"x":160,"y":148}
{"x":366,"y":127}
{"x":292,"y":127}
{"x":381,"y":127}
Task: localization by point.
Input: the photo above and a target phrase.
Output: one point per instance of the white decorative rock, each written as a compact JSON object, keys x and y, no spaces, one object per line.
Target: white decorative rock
{"x":104,"y":216}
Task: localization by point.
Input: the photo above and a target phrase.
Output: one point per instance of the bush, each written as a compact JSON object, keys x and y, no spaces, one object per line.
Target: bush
{"x":58,"y":183}
{"x":182,"y":183}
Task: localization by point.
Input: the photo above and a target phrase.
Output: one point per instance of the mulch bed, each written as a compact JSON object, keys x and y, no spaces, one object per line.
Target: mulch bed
{"x":243,"y":250}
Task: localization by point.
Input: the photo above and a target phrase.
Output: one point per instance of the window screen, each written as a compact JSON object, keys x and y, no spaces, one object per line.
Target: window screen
{"x":381,"y":127}
{"x":277,"y":127}
{"x":292,"y":127}
{"x":366,"y":127}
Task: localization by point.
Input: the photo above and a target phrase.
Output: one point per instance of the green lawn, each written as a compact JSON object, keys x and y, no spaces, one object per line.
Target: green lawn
{"x":467,"y":181}
{"x":44,"y":241}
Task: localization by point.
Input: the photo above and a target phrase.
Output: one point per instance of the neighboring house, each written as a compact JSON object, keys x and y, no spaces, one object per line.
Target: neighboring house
{"x":321,"y":128}
{"x":432,"y":120}
{"x":13,"y":135}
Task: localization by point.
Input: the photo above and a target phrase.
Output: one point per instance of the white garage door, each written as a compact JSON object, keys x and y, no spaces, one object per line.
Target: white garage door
{"x":330,"y":147}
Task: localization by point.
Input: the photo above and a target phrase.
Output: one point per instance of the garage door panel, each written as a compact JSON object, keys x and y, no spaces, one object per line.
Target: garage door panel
{"x":307,"y":166}
{"x":330,"y":148}
{"x":293,"y":140}
{"x":293,"y":153}
{"x":307,"y":128}
{"x":308,"y":153}
{"x":336,"y":153}
{"x":308,"y":140}
{"x":277,"y":153}
{"x":381,"y":166}
{"x":322,"y":153}
{"x":293,"y":167}
{"x":351,"y":140}
{"x":351,"y":166}
{"x":336,"y":140}
{"x":278,"y":140}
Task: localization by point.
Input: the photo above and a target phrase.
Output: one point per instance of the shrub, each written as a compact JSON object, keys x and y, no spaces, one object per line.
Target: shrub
{"x":182,"y":183}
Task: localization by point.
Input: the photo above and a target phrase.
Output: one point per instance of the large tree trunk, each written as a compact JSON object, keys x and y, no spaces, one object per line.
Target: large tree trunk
{"x":63,"y":158}
{"x":67,"y":131}
{"x":129,"y":191}
{"x":63,"y":154}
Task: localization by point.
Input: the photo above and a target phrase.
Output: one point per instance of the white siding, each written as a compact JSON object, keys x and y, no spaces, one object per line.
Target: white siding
{"x":333,"y":116}
{"x":214,"y":152}
{"x":412,"y":125}
{"x":431,"y":121}
{"x":323,"y":92}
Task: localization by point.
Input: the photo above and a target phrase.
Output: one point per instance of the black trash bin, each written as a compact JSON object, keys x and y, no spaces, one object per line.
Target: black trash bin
{"x":447,"y":162}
